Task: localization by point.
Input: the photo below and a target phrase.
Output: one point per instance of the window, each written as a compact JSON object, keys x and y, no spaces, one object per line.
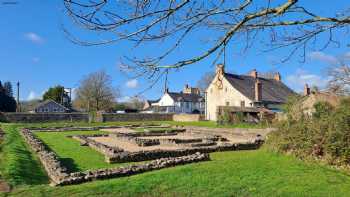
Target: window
{"x":46,"y":110}
{"x":242,"y":103}
{"x":227,"y":103}
{"x":225,"y":89}
{"x":55,"y":110}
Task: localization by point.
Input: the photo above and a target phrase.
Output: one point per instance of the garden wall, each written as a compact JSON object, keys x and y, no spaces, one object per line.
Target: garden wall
{"x":81,"y":117}
{"x":136,"y":117}
{"x":45,"y":117}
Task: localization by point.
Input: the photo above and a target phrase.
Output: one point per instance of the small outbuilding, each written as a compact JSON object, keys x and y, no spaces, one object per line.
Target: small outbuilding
{"x":50,"y":106}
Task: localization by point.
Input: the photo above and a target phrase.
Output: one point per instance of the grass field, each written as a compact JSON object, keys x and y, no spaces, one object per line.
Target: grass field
{"x":74,"y":156}
{"x":244,"y":173}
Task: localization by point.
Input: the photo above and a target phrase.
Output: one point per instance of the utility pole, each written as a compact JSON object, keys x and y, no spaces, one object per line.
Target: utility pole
{"x":18,"y":104}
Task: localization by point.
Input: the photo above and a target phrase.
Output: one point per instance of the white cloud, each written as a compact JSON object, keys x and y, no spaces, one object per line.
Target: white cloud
{"x":133,"y":83}
{"x":302,"y":77}
{"x":32,"y":95}
{"x":35,"y":38}
{"x":320,"y":56}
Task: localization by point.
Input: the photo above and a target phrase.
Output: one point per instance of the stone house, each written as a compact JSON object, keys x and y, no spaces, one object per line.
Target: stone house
{"x":187,"y":101}
{"x":50,"y":106}
{"x":311,"y":98}
{"x":248,"y":94}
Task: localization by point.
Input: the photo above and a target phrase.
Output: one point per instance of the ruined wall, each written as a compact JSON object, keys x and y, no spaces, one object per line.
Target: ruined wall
{"x":59,"y":174}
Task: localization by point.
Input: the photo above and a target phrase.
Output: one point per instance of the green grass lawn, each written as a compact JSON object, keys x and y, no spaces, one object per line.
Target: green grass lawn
{"x":243,"y":173}
{"x":74,"y":156}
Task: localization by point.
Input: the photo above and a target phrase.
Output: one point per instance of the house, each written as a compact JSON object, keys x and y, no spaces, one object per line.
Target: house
{"x":311,"y":98}
{"x":149,"y":103}
{"x":50,"y":106}
{"x":248,"y":94}
{"x":187,"y":101}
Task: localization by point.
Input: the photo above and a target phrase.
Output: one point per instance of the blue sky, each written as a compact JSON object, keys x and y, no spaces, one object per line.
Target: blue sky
{"x":34,"y":51}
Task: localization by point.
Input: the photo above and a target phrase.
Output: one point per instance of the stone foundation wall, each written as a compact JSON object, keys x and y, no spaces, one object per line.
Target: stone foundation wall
{"x":92,"y":175}
{"x":106,"y":150}
{"x":59,"y":175}
{"x":156,"y":154}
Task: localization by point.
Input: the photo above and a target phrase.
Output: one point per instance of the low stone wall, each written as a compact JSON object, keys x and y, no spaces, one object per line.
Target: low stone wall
{"x":240,"y":131}
{"x":45,"y":117}
{"x":156,"y":154}
{"x":59,"y":175}
{"x":92,"y":175}
{"x":188,"y":117}
{"x":54,"y":168}
{"x":106,"y":150}
{"x":136,"y":117}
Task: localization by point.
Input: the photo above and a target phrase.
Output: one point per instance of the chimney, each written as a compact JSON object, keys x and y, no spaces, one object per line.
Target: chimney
{"x":220,"y":69}
{"x":254,"y":73}
{"x":258,"y":90}
{"x":306,"y":90}
{"x":277,"y":76}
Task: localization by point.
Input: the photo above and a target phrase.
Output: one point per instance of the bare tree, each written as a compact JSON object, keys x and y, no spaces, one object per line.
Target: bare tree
{"x":339,"y":79}
{"x":205,"y":81}
{"x":136,"y":103}
{"x":277,"y":24}
{"x":96,"y":92}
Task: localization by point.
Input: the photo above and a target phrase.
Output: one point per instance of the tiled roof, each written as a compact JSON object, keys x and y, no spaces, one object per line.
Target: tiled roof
{"x":272,"y":90}
{"x":185,"y":97}
{"x":50,"y":101}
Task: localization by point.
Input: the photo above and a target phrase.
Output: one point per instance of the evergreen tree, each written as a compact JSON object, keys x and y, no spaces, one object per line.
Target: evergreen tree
{"x":8,"y":89}
{"x":1,"y":88}
{"x":7,"y":103}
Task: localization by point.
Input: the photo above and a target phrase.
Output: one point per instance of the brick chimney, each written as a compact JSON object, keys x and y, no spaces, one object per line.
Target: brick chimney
{"x":220,"y":69}
{"x":306,"y":90}
{"x":258,"y":90}
{"x":254,"y":73}
{"x":277,"y":76}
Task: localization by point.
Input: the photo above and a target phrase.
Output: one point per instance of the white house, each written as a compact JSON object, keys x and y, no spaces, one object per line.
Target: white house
{"x":187,"y":101}
{"x":244,"y":93}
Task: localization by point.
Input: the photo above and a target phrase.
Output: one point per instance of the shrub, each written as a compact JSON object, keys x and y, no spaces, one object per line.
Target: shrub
{"x":324,"y":135}
{"x":224,"y":118}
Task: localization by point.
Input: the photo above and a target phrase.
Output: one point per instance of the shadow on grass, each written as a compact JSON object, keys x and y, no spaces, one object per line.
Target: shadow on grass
{"x":29,"y":171}
{"x":19,"y":165}
{"x":69,"y":164}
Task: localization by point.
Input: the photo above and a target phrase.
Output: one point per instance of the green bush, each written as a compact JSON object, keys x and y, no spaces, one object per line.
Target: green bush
{"x":324,"y":136}
{"x":224,"y":118}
